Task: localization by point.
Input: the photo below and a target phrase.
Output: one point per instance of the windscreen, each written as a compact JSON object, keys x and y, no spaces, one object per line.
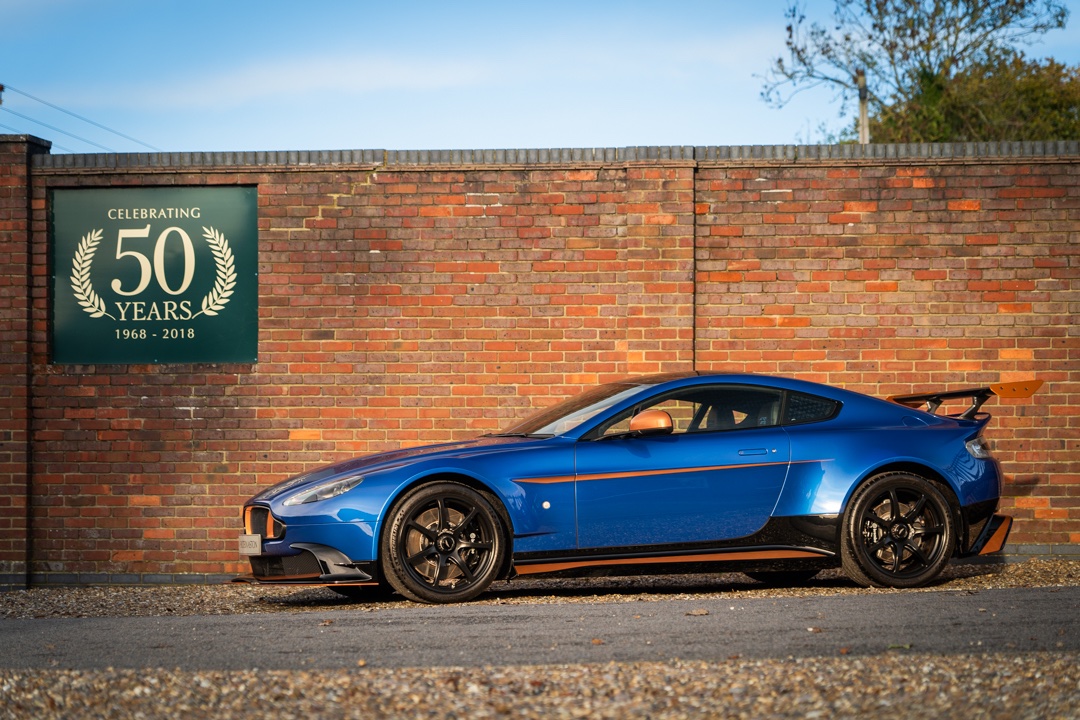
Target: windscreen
{"x":570,"y":413}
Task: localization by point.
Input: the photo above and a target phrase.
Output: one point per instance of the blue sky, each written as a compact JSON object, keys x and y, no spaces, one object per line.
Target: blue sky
{"x":199,"y":75}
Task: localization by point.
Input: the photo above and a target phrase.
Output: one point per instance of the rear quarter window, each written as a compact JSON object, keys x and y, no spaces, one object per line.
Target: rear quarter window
{"x":801,"y":408}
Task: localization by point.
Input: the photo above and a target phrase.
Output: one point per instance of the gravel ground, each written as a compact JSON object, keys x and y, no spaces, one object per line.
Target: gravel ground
{"x":898,"y":685}
{"x":894,"y":686}
{"x":118,"y":601}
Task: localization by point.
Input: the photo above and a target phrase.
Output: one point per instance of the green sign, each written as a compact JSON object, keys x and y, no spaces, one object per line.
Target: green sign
{"x":155,"y":275}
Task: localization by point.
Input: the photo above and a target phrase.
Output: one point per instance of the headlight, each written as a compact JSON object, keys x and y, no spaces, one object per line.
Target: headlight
{"x":282,"y":487}
{"x":979,"y":448}
{"x":324,"y":491}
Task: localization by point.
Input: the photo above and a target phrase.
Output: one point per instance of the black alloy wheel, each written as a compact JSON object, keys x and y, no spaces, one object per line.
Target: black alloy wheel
{"x":445,"y":543}
{"x":898,"y":532}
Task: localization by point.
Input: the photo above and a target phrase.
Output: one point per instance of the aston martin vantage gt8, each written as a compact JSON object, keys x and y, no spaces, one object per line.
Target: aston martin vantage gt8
{"x":687,"y":472}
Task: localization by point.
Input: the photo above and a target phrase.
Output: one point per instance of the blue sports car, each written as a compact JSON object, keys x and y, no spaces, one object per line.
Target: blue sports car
{"x":688,"y":472}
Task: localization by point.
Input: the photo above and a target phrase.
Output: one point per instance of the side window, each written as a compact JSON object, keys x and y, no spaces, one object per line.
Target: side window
{"x":738,"y":408}
{"x":708,"y":408}
{"x":803,"y":408}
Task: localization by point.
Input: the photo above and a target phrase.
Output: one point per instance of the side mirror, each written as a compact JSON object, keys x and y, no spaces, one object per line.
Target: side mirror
{"x":651,"y":422}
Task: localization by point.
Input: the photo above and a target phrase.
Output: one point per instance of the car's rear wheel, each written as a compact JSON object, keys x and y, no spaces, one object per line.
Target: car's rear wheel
{"x":445,"y":543}
{"x":898,"y":532}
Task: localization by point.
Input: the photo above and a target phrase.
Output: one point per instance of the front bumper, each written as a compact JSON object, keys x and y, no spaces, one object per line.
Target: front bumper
{"x":313,"y":565}
{"x":308,"y":554}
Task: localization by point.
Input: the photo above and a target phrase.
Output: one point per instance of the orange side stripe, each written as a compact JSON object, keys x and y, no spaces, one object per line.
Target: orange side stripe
{"x":546,"y":480}
{"x":649,"y":473}
{"x":711,"y":557}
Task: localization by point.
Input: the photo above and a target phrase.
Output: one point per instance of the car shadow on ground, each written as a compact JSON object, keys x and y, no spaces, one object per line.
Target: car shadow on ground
{"x":620,"y":588}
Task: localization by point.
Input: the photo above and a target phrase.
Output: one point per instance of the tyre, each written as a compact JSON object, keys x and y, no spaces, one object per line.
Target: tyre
{"x":445,"y":543}
{"x":898,"y":532}
{"x":781,"y":578}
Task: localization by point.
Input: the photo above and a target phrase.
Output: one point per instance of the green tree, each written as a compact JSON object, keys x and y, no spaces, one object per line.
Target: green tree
{"x":926,"y":58}
{"x":1009,"y":98}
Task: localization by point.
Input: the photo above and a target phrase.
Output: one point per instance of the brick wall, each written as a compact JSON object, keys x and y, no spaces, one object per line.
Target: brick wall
{"x":15,"y":373}
{"x":416,"y":297}
{"x":887,"y":278}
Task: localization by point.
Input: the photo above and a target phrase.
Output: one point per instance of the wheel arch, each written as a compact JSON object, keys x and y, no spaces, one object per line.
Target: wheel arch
{"x":913,"y":468}
{"x":469,"y":481}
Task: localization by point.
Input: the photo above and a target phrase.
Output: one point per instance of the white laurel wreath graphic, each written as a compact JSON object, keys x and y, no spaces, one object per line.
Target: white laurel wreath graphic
{"x":89,"y":300}
{"x":212,"y":304}
{"x":216,"y":299}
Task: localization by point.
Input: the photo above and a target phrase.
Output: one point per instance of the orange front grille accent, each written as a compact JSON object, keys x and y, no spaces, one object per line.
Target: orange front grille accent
{"x":259,"y":521}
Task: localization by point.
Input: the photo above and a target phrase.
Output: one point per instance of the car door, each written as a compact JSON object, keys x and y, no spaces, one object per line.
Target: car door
{"x":717,"y":476}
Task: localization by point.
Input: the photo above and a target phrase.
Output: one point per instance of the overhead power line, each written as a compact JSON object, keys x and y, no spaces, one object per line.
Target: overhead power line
{"x":77,"y":117}
{"x":53,"y":144}
{"x":56,"y":129}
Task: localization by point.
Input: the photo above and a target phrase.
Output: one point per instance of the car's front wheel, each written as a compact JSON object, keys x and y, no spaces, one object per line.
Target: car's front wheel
{"x":898,"y":532}
{"x":445,"y":543}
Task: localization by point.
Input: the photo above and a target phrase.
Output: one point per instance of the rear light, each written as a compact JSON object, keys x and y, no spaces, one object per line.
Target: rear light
{"x":979,"y":447}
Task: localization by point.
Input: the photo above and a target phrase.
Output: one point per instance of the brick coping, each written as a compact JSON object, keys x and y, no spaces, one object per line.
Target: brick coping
{"x":689,"y":154}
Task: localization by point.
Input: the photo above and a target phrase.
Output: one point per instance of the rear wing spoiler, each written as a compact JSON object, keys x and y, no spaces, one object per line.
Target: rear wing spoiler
{"x":933,"y":400}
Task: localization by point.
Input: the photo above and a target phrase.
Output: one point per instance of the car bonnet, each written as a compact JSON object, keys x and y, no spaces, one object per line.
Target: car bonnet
{"x":389,"y":460}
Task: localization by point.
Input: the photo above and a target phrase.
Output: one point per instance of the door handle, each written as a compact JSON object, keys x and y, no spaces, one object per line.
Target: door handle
{"x":754,"y":451}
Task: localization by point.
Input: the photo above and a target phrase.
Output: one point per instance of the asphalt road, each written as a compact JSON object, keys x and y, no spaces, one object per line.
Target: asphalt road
{"x":947,"y":622}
